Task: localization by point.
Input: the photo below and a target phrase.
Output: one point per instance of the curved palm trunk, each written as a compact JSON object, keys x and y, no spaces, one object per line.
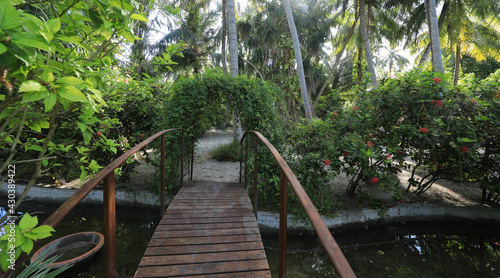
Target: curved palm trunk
{"x":437,"y":59}
{"x":427,"y":50}
{"x":298,"y":58}
{"x":456,"y":71}
{"x":224,"y":66}
{"x":336,"y":63}
{"x":233,"y":59}
{"x":363,"y":27}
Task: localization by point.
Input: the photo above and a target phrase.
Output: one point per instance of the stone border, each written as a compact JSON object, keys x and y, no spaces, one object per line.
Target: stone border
{"x":269,"y":222}
{"x":140,"y":198}
{"x":355,"y":218}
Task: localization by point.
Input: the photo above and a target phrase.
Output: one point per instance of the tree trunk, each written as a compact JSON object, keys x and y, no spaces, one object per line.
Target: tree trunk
{"x":298,"y":58}
{"x":224,"y":66}
{"x":224,"y":32}
{"x":437,"y":59}
{"x":336,"y":63}
{"x":363,"y":27}
{"x":233,"y":59}
{"x":456,"y":71}
{"x":427,"y":50}
{"x":233,"y":46}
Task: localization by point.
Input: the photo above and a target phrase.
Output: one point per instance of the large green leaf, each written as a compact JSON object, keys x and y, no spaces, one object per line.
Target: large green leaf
{"x":31,"y":86}
{"x":49,"y":101}
{"x":53,"y":25}
{"x":73,"y":94}
{"x":27,"y":246}
{"x":69,"y":80}
{"x":3,"y":48}
{"x":34,"y":96}
{"x":9,"y":18}
{"x":29,"y":40}
{"x":28,"y":222}
{"x":138,"y":17}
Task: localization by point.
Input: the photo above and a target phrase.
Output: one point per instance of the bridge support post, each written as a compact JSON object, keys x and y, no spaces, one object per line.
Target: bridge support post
{"x":162,"y":176}
{"x":110,"y":225}
{"x":283,"y":223}
{"x":255,"y":192}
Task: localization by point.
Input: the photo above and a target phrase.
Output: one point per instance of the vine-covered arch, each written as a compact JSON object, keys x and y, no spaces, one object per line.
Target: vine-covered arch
{"x":194,"y":99}
{"x":191,"y":101}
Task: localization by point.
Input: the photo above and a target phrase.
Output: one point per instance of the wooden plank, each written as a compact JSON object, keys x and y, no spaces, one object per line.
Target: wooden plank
{"x":203,"y":268}
{"x":209,"y":230}
{"x":204,"y":240}
{"x":202,"y":258}
{"x":203,"y":248}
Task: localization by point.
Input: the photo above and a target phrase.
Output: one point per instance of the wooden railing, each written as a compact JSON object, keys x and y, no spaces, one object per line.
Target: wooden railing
{"x":288,"y":177}
{"x":107,"y":174}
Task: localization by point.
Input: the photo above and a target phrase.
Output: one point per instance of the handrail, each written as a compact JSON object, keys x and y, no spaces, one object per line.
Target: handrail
{"x":107,"y":175}
{"x":287,"y":176}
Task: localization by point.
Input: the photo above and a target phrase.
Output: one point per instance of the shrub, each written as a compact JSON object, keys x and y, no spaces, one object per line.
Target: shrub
{"x":227,"y":152}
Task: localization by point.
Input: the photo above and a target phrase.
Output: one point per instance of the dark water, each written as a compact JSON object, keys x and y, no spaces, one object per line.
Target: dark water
{"x":420,"y":250}
{"x":399,"y":250}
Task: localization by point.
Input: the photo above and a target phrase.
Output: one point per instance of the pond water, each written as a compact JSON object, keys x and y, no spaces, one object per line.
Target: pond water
{"x":392,"y":250}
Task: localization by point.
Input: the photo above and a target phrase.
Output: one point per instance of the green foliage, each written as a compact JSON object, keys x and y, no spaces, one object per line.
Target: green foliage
{"x":227,"y":152}
{"x":20,"y":238}
{"x":191,"y":102}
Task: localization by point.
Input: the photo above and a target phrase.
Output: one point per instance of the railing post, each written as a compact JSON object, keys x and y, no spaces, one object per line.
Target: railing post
{"x":241,"y":158}
{"x":246,"y":161}
{"x":162,"y":176}
{"x":255,"y":192}
{"x":192,"y":160}
{"x":110,"y":225}
{"x":182,"y":159}
{"x":283,"y":223}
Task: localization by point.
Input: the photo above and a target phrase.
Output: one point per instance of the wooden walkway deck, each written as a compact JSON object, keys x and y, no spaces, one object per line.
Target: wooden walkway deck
{"x":209,"y":230}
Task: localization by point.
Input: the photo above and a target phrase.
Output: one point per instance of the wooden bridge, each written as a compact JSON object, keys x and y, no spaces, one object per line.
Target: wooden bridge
{"x":209,"y":229}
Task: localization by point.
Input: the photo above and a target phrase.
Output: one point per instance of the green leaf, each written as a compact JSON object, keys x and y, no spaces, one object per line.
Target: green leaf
{"x":28,"y":222}
{"x":87,"y":135}
{"x":42,"y":231}
{"x":47,"y":76}
{"x":73,"y":94}
{"x":29,"y":40}
{"x":35,"y":148}
{"x":54,"y":25}
{"x":69,"y":80}
{"x":45,"y":162}
{"x":31,"y":86}
{"x":98,"y":96}
{"x":9,"y":18}
{"x":82,"y":126}
{"x":49,"y":101}
{"x":27,"y":246}
{"x":3,"y":48}
{"x":138,"y":17}
{"x":73,"y":40}
{"x":34,"y":96}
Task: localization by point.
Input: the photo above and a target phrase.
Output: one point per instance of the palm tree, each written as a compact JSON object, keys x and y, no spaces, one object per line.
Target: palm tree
{"x":298,"y":58}
{"x":393,"y":60}
{"x":363,"y":28}
{"x":432,"y":21}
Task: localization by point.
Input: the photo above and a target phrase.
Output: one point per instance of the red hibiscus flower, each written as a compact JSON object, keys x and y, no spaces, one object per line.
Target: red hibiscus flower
{"x":354,"y":108}
{"x":142,"y":135}
{"x":437,"y":80}
{"x":423,"y":130}
{"x":335,"y":114}
{"x":437,"y":102}
{"x":327,"y":162}
{"x":99,"y":134}
{"x":374,"y":180}
{"x":369,"y":144}
{"x":464,"y":149}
